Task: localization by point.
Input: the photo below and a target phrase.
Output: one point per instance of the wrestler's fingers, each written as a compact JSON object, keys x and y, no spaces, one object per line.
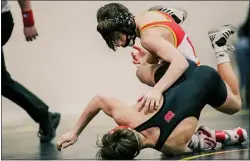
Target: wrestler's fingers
{"x":59,"y":145}
{"x":133,"y":54}
{"x":65,"y":145}
{"x":141,"y":104}
{"x":136,"y":62}
{"x":152,"y":106}
{"x":146,"y":107}
{"x":140,"y":98}
{"x":136,"y":48}
{"x":157,"y":104}
{"x":58,"y":148}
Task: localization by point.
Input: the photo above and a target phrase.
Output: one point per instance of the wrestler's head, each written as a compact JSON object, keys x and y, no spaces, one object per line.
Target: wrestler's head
{"x":116,"y":25}
{"x":119,"y":143}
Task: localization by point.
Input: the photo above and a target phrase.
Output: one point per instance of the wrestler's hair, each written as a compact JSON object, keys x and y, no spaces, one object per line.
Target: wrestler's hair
{"x":110,"y":24}
{"x":122,"y":144}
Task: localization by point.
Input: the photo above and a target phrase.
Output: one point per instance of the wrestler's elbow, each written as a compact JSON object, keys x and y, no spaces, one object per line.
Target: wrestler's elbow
{"x":181,"y":61}
{"x":99,"y":98}
{"x":98,"y":101}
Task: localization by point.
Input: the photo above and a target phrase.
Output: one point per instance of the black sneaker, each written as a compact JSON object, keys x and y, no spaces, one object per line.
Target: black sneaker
{"x":47,"y":132}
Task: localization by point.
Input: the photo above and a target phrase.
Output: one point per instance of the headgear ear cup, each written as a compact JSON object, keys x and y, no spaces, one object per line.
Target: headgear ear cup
{"x":128,"y":26}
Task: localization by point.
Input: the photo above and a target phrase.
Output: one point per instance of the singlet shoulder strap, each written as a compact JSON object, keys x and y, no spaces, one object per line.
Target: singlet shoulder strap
{"x":161,"y":140}
{"x":163,"y":23}
{"x":152,"y":24}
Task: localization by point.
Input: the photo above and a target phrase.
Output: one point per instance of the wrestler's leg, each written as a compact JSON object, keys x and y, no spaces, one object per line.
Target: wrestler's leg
{"x":218,"y":38}
{"x":184,"y":138}
{"x":204,"y":139}
{"x":177,"y":142}
{"x":225,"y":137}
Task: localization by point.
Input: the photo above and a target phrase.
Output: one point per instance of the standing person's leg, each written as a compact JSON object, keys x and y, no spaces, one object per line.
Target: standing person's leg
{"x":17,"y":93}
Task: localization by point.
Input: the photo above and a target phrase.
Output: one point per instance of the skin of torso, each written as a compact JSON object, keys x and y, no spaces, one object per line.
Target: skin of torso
{"x":175,"y":143}
{"x":150,"y":17}
{"x":145,"y":72}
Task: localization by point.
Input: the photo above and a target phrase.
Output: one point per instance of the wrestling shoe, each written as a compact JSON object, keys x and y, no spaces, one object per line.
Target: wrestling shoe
{"x":202,"y":141}
{"x":178,"y":14}
{"x":219,"y":37}
{"x":47,"y":130}
{"x":227,"y":137}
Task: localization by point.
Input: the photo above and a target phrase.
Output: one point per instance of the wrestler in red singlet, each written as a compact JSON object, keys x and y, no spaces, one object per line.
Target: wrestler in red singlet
{"x":182,"y":41}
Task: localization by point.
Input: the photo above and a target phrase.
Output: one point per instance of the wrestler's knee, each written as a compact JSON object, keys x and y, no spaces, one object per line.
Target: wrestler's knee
{"x":237,"y":105}
{"x":232,"y":104}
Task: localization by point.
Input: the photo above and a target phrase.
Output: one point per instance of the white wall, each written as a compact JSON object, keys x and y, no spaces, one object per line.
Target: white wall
{"x":69,"y":63}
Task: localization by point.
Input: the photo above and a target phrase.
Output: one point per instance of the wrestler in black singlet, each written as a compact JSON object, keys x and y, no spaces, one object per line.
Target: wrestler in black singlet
{"x":198,"y":86}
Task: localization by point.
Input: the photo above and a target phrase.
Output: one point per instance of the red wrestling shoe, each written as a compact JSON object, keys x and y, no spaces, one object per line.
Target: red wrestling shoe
{"x":226,"y":137}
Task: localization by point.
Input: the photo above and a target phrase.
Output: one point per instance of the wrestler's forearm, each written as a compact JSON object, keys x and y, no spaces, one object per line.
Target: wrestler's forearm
{"x":25,"y":5}
{"x":88,"y":114}
{"x":174,"y":72}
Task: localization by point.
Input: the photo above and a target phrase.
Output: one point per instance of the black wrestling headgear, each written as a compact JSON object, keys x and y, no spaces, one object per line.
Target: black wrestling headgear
{"x":126,"y":24}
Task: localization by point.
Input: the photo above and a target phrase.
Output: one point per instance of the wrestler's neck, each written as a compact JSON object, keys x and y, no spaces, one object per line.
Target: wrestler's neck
{"x":137,"y":31}
{"x":144,"y":142}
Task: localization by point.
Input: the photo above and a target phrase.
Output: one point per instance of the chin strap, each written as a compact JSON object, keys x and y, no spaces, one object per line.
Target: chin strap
{"x":130,"y":41}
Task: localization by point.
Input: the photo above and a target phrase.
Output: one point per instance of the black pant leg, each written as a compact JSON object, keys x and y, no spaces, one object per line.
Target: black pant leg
{"x":14,"y":91}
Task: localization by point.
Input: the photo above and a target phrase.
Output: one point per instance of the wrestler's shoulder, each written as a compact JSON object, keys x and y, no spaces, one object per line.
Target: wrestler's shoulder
{"x":148,"y":17}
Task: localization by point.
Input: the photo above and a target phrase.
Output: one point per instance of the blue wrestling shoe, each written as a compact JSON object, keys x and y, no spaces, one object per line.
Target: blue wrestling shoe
{"x":47,"y":131}
{"x":178,"y":14}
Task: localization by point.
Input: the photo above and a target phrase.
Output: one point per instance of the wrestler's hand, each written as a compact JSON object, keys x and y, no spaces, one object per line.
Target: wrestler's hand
{"x":30,"y":33}
{"x":66,"y":140}
{"x":150,"y":101}
{"x":138,"y":54}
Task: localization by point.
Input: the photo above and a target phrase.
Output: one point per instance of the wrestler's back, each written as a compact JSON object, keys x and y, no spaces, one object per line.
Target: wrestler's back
{"x":161,"y":23}
{"x":150,"y":17}
{"x":176,"y":138}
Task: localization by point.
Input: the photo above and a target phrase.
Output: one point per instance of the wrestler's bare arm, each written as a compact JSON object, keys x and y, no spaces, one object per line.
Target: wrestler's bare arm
{"x":156,"y":43}
{"x":110,"y":106}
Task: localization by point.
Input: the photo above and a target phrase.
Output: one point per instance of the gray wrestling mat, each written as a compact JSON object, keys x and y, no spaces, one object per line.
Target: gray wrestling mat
{"x":19,"y":140}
